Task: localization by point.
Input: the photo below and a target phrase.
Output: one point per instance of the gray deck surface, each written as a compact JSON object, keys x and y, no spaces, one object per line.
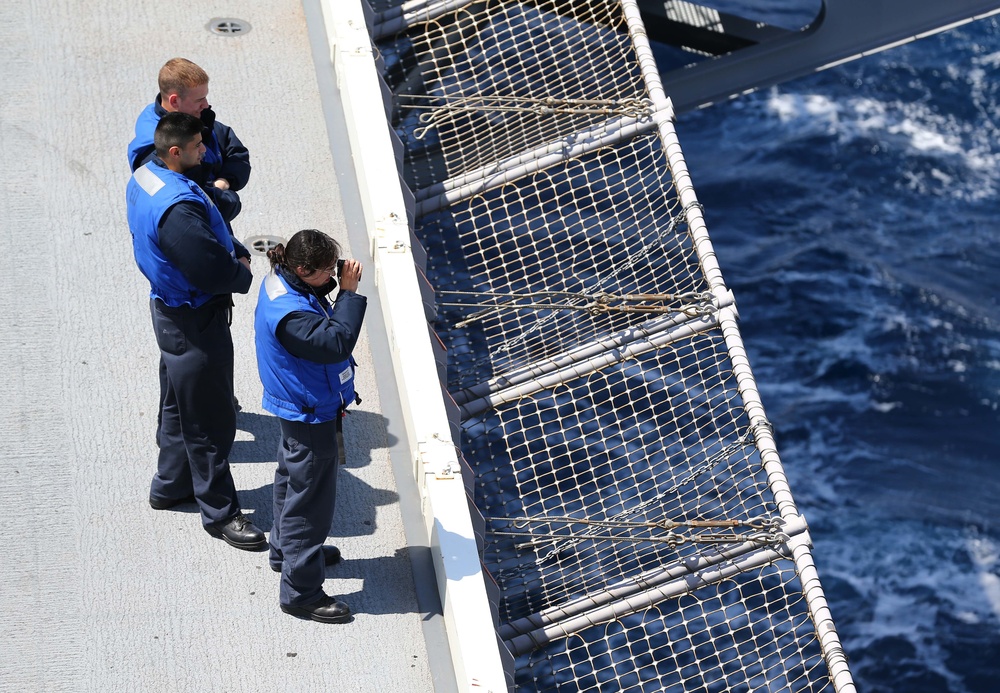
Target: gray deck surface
{"x":98,"y":592}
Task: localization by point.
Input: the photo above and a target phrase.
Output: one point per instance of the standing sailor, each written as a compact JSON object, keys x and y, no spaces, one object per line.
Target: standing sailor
{"x":304,"y":347}
{"x":225,"y":167}
{"x":184,"y":249}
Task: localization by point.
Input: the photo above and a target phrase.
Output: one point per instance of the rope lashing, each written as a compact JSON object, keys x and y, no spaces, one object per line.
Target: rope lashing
{"x":437,"y":112}
{"x":759,"y":530}
{"x":693,"y":304}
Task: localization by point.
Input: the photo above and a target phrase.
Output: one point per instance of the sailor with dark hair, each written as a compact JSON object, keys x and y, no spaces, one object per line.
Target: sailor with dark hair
{"x":183,"y":247}
{"x":304,"y":346}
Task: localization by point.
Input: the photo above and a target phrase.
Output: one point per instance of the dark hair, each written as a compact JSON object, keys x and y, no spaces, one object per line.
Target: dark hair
{"x":175,"y":129}
{"x":310,"y":249}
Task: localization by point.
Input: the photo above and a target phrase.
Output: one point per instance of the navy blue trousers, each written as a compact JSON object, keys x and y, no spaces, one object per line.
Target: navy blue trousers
{"x":197,"y":421}
{"x":305,"y":490}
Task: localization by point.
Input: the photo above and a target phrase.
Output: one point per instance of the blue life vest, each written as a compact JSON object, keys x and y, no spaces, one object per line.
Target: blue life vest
{"x":142,"y":144}
{"x":151,"y":191}
{"x":296,"y":389}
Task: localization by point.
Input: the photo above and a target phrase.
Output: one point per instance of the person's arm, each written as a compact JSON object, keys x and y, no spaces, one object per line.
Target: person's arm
{"x":235,"y":168}
{"x":241,"y":250}
{"x":188,"y":242}
{"x":316,"y":338}
{"x":226,"y":201}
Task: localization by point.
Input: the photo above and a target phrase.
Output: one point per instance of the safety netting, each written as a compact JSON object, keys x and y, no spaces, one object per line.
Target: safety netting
{"x":635,"y":522}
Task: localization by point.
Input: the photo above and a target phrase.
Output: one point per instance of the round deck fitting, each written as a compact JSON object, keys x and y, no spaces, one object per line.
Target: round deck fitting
{"x":228,"y":26}
{"x":259,"y":245}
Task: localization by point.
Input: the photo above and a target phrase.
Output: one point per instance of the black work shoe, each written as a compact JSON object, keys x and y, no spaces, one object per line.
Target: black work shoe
{"x":331,"y":556}
{"x":167,"y":503}
{"x":325,"y":610}
{"x":239,"y":532}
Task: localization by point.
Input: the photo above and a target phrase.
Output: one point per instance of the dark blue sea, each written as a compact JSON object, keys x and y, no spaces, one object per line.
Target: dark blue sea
{"x":855,"y":213}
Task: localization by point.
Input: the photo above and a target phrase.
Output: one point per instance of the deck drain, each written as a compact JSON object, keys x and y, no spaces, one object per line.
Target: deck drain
{"x":227,"y":26}
{"x":259,"y":245}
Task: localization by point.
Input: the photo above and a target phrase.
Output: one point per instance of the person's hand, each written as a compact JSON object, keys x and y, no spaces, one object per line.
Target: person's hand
{"x":221,"y":183}
{"x":227,"y":201}
{"x":245,"y":261}
{"x":350,"y":275}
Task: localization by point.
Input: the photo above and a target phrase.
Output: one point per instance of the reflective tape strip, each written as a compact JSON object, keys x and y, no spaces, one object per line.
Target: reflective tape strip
{"x":147,"y":180}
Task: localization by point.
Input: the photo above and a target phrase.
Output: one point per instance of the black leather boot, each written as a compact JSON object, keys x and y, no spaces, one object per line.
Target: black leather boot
{"x":239,"y":532}
{"x":326,"y":610}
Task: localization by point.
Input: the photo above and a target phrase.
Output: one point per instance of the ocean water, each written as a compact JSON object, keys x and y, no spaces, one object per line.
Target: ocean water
{"x":856,"y":215}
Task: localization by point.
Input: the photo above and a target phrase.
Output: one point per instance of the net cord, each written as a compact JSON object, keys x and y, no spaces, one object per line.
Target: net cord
{"x":557,"y":374}
{"x":644,"y":599}
{"x":598,"y":303}
{"x":722,"y":295}
{"x":564,"y":542}
{"x":613,"y":342}
{"x":440,"y":195}
{"x":833,"y":651}
{"x":725,"y":318}
{"x":819,"y":612}
{"x":651,"y":579}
